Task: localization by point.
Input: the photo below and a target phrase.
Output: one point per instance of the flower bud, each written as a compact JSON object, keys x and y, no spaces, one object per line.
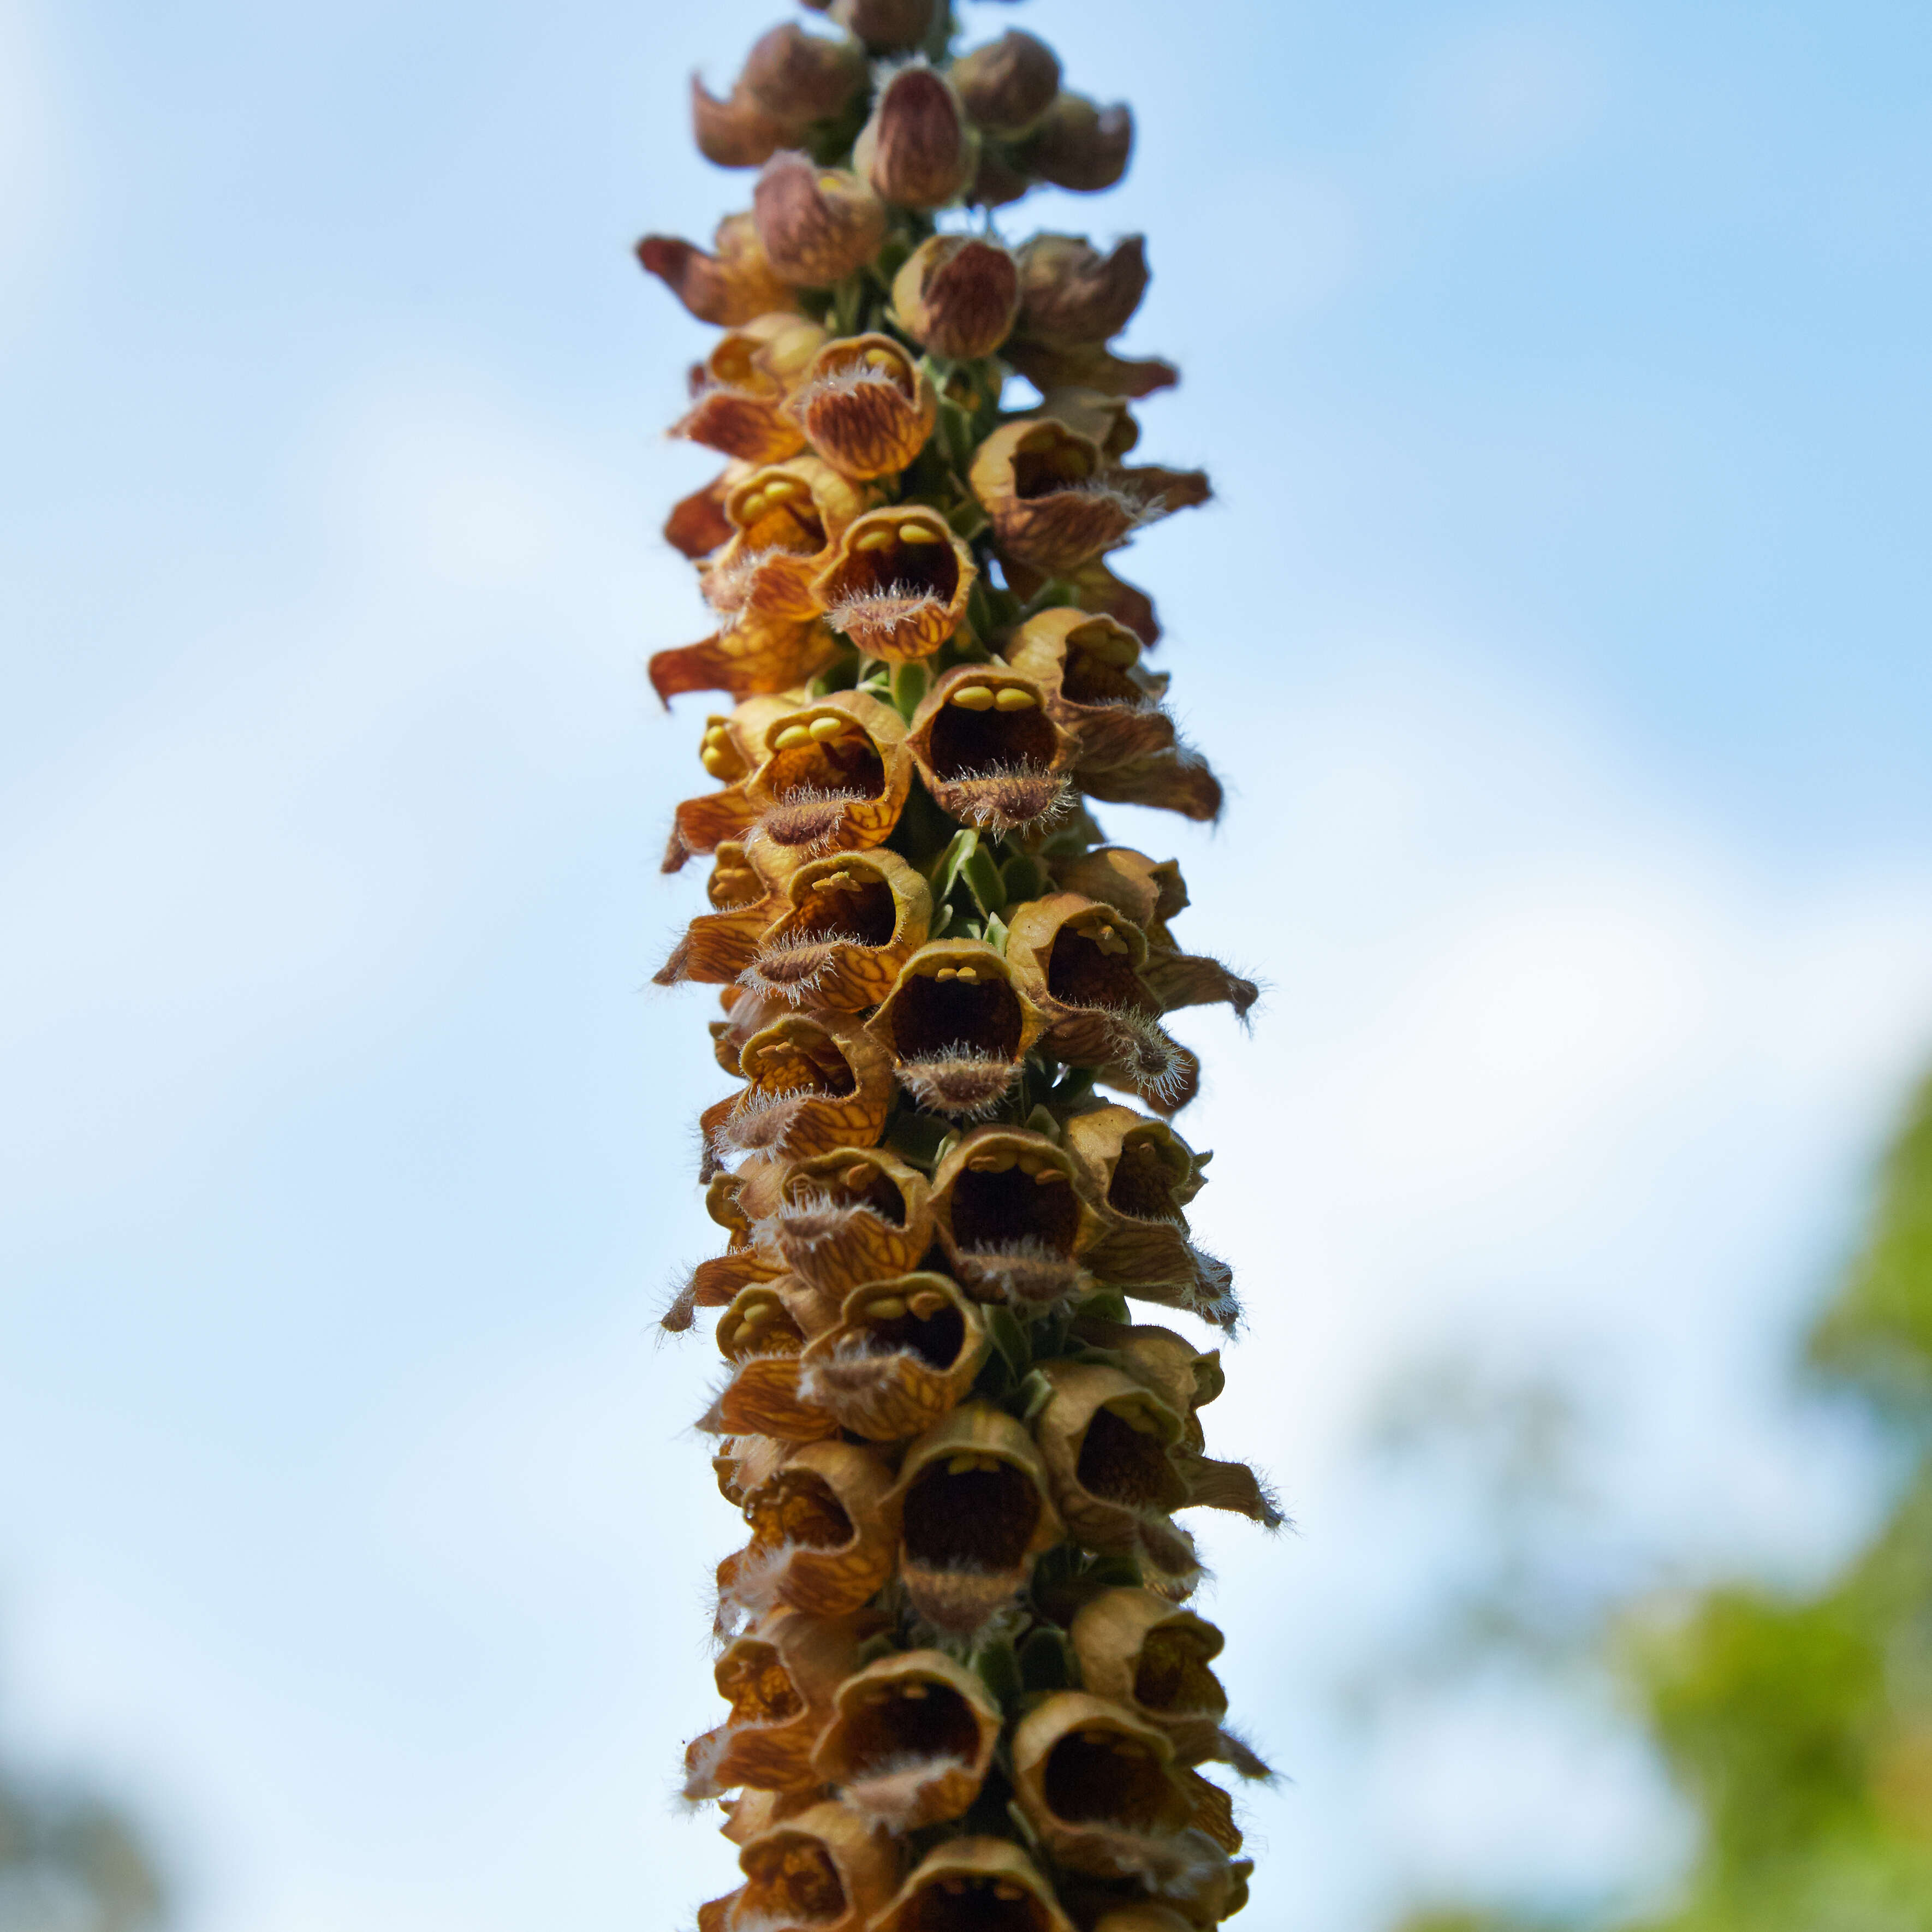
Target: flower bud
{"x":865,"y":405}
{"x":728,"y":288}
{"x":996,"y":181}
{"x":736,"y":132}
{"x":1081,"y":145}
{"x":1072,"y":294}
{"x":816,"y":224}
{"x":918,"y":150}
{"x":957,"y":295}
{"x":885,"y":26}
{"x":1008,"y":84}
{"x":798,"y":78}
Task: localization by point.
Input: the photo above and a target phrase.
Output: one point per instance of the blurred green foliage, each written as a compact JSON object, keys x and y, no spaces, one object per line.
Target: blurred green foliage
{"x":1800,"y":1729}
{"x":70,"y":1863}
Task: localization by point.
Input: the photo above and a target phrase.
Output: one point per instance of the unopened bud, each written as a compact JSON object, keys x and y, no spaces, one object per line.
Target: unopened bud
{"x":734,"y":133}
{"x":1008,"y":84}
{"x":996,"y":181}
{"x":1071,"y":294}
{"x":917,"y":150}
{"x":885,"y":26}
{"x":798,"y":78}
{"x":817,"y":224}
{"x":957,"y":295}
{"x":1081,"y":145}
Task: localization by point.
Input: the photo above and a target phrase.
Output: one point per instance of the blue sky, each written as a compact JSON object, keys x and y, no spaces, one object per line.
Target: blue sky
{"x":1559,"y":627}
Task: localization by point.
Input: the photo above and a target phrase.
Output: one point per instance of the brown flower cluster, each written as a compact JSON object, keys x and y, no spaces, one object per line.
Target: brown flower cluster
{"x":963,"y":1692}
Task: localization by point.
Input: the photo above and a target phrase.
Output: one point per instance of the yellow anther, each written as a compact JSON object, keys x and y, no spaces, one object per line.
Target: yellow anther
{"x":823,"y":728}
{"x":920,"y":533}
{"x":882,"y":358}
{"x":887,"y":1308}
{"x":995,"y":1160}
{"x":1029,"y":1163}
{"x":780,"y":488}
{"x":927,"y":1303}
{"x":1004,"y":1889}
{"x":969,"y":972}
{"x":714,"y":761}
{"x":962,"y":1465}
{"x":857,"y":1176}
{"x":1015,"y":698}
{"x":757,"y":1316}
{"x":716,"y":734}
{"x":915,"y":1690}
{"x":947,"y":973}
{"x":879,"y":537}
{"x":792,"y":736}
{"x":752,"y":506}
{"x":1049,"y":1176}
{"x":973,"y":697}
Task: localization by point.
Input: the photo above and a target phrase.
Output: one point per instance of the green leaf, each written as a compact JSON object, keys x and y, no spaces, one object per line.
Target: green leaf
{"x":962,"y":847}
{"x":1010,"y":1338}
{"x":909,"y":686}
{"x":998,"y":1668}
{"x":981,"y":872}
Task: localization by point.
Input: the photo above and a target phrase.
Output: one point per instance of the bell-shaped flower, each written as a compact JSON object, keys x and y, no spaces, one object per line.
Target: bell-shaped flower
{"x":697,"y":525}
{"x":780,"y":1679}
{"x":813,"y":1082}
{"x":817,"y":224}
{"x":1007,"y":1206}
{"x":714,"y":1283}
{"x":822,"y":1536}
{"x":739,"y":392}
{"x":1078,"y":961}
{"x":903,"y":1356}
{"x":753,"y":1812}
{"x":758,"y":1335}
{"x":850,"y":1216}
{"x":719,"y":945}
{"x":975,"y":1885}
{"x":957,"y":295}
{"x":798,"y":78}
{"x":734,"y":131}
{"x":1071,"y":294}
{"x":833,"y":776}
{"x":1106,"y":1441}
{"x":885,"y":26}
{"x":743,"y":1464}
{"x":973,"y":1514}
{"x":827,"y":1869}
{"x":844,"y":927}
{"x":1049,"y":366}
{"x":1081,"y":145}
{"x":756,"y":655}
{"x":782,"y":521}
{"x":956,"y":1028}
{"x":1096,"y":590}
{"x":1094,"y":413}
{"x":865,"y":406}
{"x":1090,"y":666}
{"x":918,"y":150}
{"x":731,"y":749}
{"x":909,"y":1740}
{"x":896,"y":583}
{"x":988,"y":750}
{"x":1008,"y":84}
{"x":728,"y":287}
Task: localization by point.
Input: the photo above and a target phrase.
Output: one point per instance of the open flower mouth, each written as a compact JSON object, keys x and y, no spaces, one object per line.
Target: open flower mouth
{"x":777,"y":513}
{"x":955,"y":1903}
{"x":792,"y":1066}
{"x":790,"y":1882}
{"x":1097,"y":670}
{"x":971,"y":1513}
{"x":1100,"y":1776}
{"x":901,"y":1726}
{"x":1142,"y":1186}
{"x":989,"y":753}
{"x":864,"y":408}
{"x":1092,"y":964}
{"x":1007,"y":1208}
{"x":897,"y":587}
{"x":1124,"y":1461}
{"x":797,"y":1509}
{"x":957,"y":1032}
{"x":1172,"y":1680}
{"x":841,"y":909}
{"x":922,"y":1324}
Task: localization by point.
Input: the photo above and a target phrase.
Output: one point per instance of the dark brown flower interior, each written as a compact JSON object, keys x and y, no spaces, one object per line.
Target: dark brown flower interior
{"x":1119,"y":1464}
{"x":798,"y":1507}
{"x":805,"y":1060}
{"x":789,"y":1880}
{"x":787,"y":519}
{"x":849,"y":763}
{"x":1090,"y":677}
{"x":1106,"y":1777}
{"x":979,"y":1519}
{"x":1142,"y":1187}
{"x":898,"y":569}
{"x":929,"y":1016}
{"x":995,"y":1210}
{"x":909,"y":1717}
{"x":964,"y":1904}
{"x":852,"y":905}
{"x":859,"y":1185}
{"x":759,"y":1687}
{"x":1081,"y":971}
{"x":1172,"y":1676}
{"x":936,"y":1340}
{"x":964,"y":743}
{"x":1051,"y":463}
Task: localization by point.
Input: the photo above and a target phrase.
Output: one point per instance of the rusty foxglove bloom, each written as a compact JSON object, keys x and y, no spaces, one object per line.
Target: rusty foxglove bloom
{"x":729,"y":287}
{"x":950,"y":1443}
{"x":847,"y":925}
{"x":956,"y":1027}
{"x":975,"y":1885}
{"x":989,"y":752}
{"x":918,"y":150}
{"x":1072,"y":294}
{"x":865,"y":407}
{"x":973,"y":1515}
{"x":850,"y":1216}
{"x":1082,"y":146}
{"x":897,"y":583}
{"x":910,"y":1740}
{"x":903,"y":1355}
{"x":780,"y":1680}
{"x":957,"y":295}
{"x":1008,"y":1208}
{"x":816,"y":224}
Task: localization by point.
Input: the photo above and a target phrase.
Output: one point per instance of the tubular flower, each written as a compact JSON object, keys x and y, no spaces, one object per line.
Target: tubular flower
{"x":910,"y":1739}
{"x":865,"y":407}
{"x":897,"y":583}
{"x":953,"y":1447}
{"x":973,"y":1515}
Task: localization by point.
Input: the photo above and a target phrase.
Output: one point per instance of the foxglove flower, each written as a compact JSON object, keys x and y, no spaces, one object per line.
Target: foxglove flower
{"x":865,"y":406}
{"x":909,"y":1740}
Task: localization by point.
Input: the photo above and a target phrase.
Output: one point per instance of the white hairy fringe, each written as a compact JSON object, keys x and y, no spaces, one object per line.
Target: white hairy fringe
{"x":760,"y":1122}
{"x":862,"y":605}
{"x":890,"y":1793}
{"x":1015,"y":773}
{"x":922,"y":1077}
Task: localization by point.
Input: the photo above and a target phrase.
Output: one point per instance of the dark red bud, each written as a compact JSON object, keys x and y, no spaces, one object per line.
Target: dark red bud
{"x":1008,"y":84}
{"x":917,"y":150}
{"x":1081,"y":145}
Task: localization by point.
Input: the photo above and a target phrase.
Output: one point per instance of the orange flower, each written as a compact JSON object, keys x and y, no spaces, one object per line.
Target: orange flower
{"x":956,"y":1027}
{"x":816,"y":224}
{"x":757,"y":654}
{"x":758,"y":1335}
{"x":852,"y":1215}
{"x":957,"y":295}
{"x":842,"y":928}
{"x":833,"y":777}
{"x":717,"y":946}
{"x":1009,"y":1213}
{"x":989,"y":752}
{"x":821,"y":1536}
{"x":782,"y":521}
{"x":865,"y":407}
{"x":813,"y":1082}
{"x":825,"y":1869}
{"x":910,"y":1740}
{"x":728,"y":288}
{"x":905,"y":1353}
{"x":739,"y":390}
{"x":897,"y":583}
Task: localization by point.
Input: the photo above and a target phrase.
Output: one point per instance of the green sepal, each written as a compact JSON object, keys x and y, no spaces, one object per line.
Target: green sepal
{"x":1106,"y":1306}
{"x":1036,"y":1392}
{"x":998,"y":1667}
{"x":917,"y":1138}
{"x":981,"y":872}
{"x":909,"y":686}
{"x":995,"y":935}
{"x":943,"y":874}
{"x":1025,"y":878}
{"x":884,"y":1645}
{"x":1046,"y":1661}
{"x":1009,"y":1340}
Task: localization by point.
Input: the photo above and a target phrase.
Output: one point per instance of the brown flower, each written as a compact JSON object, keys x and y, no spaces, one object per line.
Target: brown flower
{"x":1007,"y":1206}
{"x":1093,"y":412}
{"x":957,"y":295}
{"x":918,"y":150}
{"x":697,"y":524}
{"x":782,"y":520}
{"x":997,"y":180}
{"x":817,"y":224}
{"x":956,"y":1027}
{"x":1082,"y":146}
{"x":728,"y":288}
{"x":753,"y":1812}
{"x":910,"y":1740}
{"x":850,"y":1216}
{"x":973,"y":1514}
{"x":821,"y":1536}
{"x":758,"y":1335}
{"x":718,"y":946}
{"x":1095,"y":589}
{"x":1105,"y":1438}
{"x":757,"y":654}
{"x":815,"y":1082}
{"x":975,"y":1885}
{"x":780,"y":1680}
{"x":739,"y":390}
{"x":885,"y":26}
{"x":988,"y":751}
{"x":845,"y":926}
{"x":904,"y":1354}
{"x":1009,"y":83}
{"x":864,"y":406}
{"x":736,"y":132}
{"x":1054,"y":500}
{"x":1090,"y":667}
{"x":834,"y":776}
{"x":798,"y":78}
{"x":825,"y":1869}
{"x":1090,"y":367}
{"x":897,"y":583}
{"x":731,"y":749}
{"x":1072,"y":295}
